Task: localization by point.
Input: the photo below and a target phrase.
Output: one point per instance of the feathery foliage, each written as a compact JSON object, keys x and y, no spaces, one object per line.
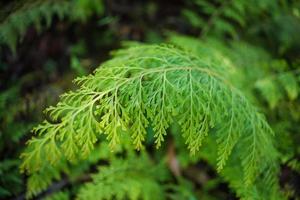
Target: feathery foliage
{"x":40,"y":14}
{"x":140,"y":114}
{"x":256,"y":66}
{"x":133,"y":178}
{"x":154,"y":86}
{"x":226,"y":17}
{"x":40,"y":180}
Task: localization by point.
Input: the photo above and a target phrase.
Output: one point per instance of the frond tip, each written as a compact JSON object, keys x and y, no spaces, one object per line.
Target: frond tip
{"x":154,"y":86}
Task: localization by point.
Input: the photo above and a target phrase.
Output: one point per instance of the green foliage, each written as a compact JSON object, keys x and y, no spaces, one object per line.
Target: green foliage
{"x":10,"y":180}
{"x":58,"y":196}
{"x":257,"y":66}
{"x":217,"y":98}
{"x":39,"y":181}
{"x":12,"y":104}
{"x":154,"y":86}
{"x":260,"y":22}
{"x":273,"y":88}
{"x":133,"y":178}
{"x":40,"y":14}
{"x":223,"y":18}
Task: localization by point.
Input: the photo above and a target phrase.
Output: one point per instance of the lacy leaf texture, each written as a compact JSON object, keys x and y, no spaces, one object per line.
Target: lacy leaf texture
{"x":152,"y":87}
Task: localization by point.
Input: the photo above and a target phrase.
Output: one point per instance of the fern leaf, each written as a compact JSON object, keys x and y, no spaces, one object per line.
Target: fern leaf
{"x":290,"y":84}
{"x":152,"y":86}
{"x":38,"y":182}
{"x":13,"y":26}
{"x":125,"y":179}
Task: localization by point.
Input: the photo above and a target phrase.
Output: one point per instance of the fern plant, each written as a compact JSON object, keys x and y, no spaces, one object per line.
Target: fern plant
{"x":155,"y":87}
{"x":228,"y":18}
{"x":40,"y":14}
{"x":275,"y":91}
{"x":126,"y":179}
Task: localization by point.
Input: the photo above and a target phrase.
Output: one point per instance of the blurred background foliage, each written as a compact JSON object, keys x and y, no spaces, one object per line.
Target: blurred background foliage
{"x":47,"y":43}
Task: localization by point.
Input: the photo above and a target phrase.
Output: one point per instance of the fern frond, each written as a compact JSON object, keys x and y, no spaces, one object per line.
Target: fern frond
{"x":40,"y":14}
{"x":290,"y":83}
{"x":38,"y":182}
{"x":274,"y":88}
{"x":153,"y":86}
{"x":41,"y":180}
{"x":248,"y":64}
{"x":223,"y":18}
{"x":241,"y":56}
{"x":132,"y":179}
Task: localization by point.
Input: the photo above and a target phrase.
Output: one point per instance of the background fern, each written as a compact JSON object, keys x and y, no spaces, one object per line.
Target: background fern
{"x":40,"y":14}
{"x":126,"y":179}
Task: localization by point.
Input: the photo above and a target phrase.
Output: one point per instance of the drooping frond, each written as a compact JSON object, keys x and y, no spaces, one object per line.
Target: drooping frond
{"x":154,"y":86}
{"x":239,"y":56}
{"x":251,"y":64}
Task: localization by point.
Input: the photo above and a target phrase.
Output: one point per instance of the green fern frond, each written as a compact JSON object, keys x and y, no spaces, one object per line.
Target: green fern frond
{"x":248,"y":64}
{"x":290,"y":83}
{"x":133,"y":178}
{"x":38,"y":182}
{"x":14,"y":25}
{"x":221,"y":16}
{"x":241,"y":56}
{"x":153,"y":86}
{"x":275,"y":88}
{"x":40,"y":14}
